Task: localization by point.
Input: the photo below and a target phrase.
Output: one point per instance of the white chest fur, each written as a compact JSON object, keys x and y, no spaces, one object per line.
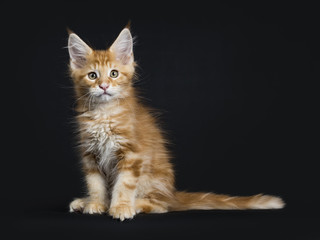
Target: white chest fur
{"x":100,"y":140}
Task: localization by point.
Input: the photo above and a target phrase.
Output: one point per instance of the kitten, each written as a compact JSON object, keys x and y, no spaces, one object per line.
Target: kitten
{"x":124,"y":156}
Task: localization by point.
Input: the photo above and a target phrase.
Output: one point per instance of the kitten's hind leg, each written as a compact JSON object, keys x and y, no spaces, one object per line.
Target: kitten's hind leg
{"x":85,"y":205}
{"x":146,"y":205}
{"x":78,"y":205}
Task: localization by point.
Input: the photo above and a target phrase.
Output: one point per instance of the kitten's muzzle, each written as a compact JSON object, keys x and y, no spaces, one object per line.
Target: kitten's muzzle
{"x":104,"y":87}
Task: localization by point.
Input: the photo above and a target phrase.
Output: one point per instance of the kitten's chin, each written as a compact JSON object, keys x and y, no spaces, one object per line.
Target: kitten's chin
{"x":103,"y":98}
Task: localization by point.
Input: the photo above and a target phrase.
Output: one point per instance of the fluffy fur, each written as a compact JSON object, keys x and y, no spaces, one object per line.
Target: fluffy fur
{"x":124,"y":156}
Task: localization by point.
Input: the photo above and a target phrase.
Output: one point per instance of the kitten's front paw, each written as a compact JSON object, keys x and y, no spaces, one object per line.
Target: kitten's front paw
{"x":77,"y":205}
{"x":122,"y":211}
{"x":94,"y":208}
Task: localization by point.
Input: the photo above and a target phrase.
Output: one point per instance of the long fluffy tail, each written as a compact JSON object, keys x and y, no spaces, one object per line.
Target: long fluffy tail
{"x":187,"y":201}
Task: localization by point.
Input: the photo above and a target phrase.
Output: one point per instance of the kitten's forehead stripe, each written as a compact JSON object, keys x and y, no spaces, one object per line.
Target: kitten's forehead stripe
{"x":101,"y":57}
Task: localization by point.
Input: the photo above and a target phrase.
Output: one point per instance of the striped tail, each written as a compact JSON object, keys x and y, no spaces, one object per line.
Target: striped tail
{"x":205,"y":201}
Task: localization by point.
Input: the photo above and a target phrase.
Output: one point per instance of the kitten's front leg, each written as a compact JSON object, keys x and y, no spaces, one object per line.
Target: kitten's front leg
{"x":96,"y":202}
{"x":124,"y":190}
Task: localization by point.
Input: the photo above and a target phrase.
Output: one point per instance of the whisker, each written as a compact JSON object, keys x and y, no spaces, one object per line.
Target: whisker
{"x":85,"y":104}
{"x":68,"y":87}
{"x":90,"y":100}
{"x":84,"y":95}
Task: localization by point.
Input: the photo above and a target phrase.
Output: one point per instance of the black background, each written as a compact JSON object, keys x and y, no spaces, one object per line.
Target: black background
{"x":235,"y":86}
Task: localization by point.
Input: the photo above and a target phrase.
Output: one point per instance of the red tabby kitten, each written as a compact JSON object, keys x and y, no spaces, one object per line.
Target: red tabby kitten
{"x":124,"y":156}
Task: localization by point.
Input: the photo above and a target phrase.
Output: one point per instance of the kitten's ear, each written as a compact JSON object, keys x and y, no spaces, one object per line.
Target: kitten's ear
{"x":122,"y":47}
{"x":78,"y":51}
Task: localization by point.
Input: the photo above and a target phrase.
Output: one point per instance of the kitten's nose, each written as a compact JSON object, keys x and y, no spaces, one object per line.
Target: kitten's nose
{"x":104,"y":86}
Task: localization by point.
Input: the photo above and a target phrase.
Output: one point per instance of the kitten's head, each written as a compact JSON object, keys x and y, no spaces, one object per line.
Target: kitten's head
{"x":101,"y":76}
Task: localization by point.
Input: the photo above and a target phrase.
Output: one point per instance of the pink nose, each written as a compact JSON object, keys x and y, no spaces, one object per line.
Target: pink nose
{"x":104,"y":86}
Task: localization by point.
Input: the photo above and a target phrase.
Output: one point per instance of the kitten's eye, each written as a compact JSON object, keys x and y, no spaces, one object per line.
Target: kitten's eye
{"x":114,"y":73}
{"x":92,"y":75}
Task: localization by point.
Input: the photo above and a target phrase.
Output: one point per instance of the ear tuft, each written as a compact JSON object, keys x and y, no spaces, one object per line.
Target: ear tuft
{"x":69,"y":30}
{"x":123,"y":47}
{"x":128,"y":24}
{"x":78,"y":51}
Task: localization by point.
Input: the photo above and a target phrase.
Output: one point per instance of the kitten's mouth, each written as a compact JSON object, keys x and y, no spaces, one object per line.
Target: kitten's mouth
{"x":104,"y":97}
